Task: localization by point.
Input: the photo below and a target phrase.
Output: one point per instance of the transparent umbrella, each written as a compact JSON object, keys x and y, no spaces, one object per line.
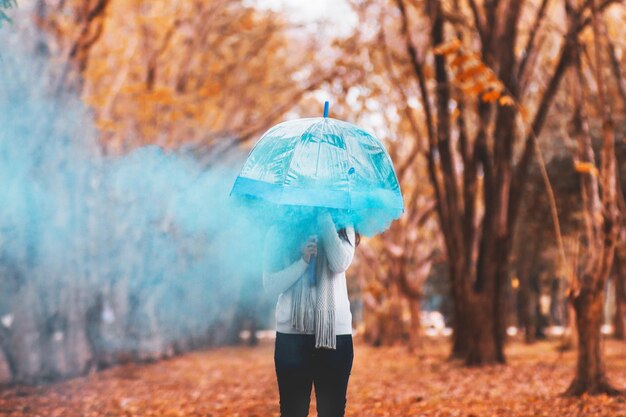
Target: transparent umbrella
{"x":325,"y":163}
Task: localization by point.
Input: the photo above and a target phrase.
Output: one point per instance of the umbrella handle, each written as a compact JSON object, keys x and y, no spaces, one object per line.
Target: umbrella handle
{"x":311,"y":270}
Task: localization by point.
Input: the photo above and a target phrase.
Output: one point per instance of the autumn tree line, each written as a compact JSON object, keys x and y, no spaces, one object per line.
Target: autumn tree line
{"x":505,"y":120}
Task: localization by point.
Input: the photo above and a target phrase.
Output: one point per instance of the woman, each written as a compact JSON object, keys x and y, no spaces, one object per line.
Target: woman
{"x":313,"y":319}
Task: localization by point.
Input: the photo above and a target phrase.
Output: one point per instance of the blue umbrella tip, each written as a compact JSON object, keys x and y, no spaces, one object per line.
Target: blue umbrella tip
{"x":326,"y":105}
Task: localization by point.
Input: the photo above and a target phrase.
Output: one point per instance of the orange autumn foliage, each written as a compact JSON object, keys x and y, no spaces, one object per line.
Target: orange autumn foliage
{"x":157,"y":72}
{"x":384,"y":382}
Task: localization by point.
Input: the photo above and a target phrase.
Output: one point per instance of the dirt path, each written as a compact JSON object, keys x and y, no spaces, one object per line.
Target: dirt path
{"x":385,"y":382}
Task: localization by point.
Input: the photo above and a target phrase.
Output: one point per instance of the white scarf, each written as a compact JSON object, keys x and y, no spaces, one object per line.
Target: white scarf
{"x":318,"y":315}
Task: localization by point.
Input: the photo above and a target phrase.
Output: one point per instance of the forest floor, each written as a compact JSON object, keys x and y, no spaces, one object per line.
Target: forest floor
{"x":388,"y":381}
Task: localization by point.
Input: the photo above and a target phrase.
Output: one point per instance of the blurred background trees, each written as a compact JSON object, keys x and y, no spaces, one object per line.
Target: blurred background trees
{"x":494,"y":112}
{"x":169,"y":73}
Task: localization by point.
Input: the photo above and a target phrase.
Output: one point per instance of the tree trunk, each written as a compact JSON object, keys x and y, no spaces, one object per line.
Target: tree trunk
{"x":461,"y":322}
{"x":529,"y":309}
{"x":478,"y":329}
{"x":486,"y":301}
{"x":460,"y":336}
{"x":415,"y":330}
{"x":556,"y":303}
{"x":620,"y":295}
{"x":478,"y":324}
{"x":25,"y":340}
{"x":391,"y":324}
{"x":5,"y":370}
{"x":8,"y":362}
{"x":542,"y":318}
{"x":483,"y":347}
{"x":590,"y":371}
{"x":527,"y":296}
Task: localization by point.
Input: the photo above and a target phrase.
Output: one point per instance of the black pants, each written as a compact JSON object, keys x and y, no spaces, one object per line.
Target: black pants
{"x":299,"y":365}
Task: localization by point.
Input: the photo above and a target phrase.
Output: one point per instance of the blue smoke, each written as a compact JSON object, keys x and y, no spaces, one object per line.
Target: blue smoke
{"x":105,"y":256}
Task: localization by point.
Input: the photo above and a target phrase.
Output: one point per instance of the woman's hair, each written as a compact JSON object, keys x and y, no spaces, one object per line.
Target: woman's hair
{"x":344,"y":235}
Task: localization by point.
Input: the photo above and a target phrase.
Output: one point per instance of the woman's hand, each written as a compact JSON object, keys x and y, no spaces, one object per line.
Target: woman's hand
{"x":309,"y":248}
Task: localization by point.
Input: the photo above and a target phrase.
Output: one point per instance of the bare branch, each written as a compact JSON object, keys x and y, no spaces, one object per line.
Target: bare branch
{"x":478,"y":19}
{"x":78,"y":54}
{"x":530,"y":44}
{"x":565,"y":59}
{"x":616,"y":66}
{"x":537,"y":125}
{"x":418,"y":69}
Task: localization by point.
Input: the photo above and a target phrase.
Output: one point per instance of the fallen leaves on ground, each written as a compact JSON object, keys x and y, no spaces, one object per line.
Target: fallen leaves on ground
{"x":388,"y":381}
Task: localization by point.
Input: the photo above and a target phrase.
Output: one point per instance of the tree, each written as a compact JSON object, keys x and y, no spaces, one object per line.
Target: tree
{"x":479,"y":172}
{"x":619,"y":321}
{"x":599,"y":196}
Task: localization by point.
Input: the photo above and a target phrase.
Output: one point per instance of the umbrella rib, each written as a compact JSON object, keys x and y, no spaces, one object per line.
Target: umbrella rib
{"x":347,"y":173}
{"x":319,"y":148}
{"x":276,"y":143}
{"x":308,"y":129}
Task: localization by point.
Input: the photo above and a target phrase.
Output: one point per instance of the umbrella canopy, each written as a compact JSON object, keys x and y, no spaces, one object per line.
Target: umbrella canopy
{"x":324,"y":162}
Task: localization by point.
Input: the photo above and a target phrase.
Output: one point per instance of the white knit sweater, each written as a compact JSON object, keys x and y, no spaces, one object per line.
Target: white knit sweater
{"x":339,"y":254}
